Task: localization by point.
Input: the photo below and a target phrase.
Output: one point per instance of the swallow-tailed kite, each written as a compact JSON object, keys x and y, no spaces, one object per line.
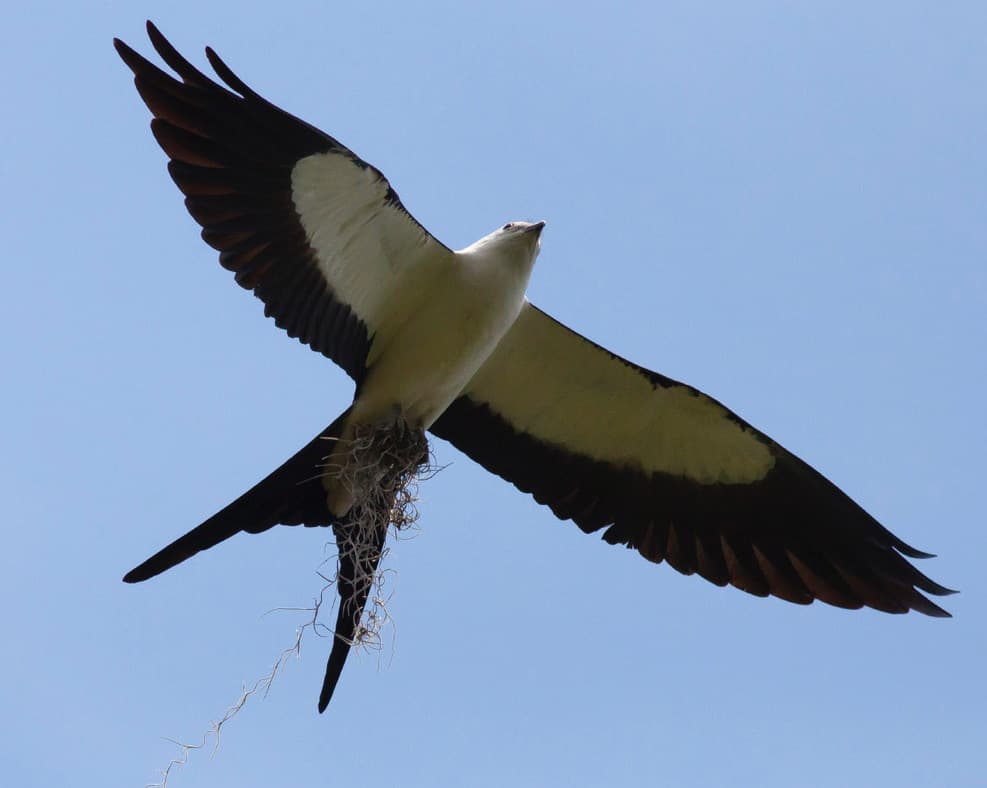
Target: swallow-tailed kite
{"x":447,"y":339}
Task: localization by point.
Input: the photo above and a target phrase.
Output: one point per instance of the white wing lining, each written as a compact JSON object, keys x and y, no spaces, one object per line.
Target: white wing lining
{"x":560,"y":388}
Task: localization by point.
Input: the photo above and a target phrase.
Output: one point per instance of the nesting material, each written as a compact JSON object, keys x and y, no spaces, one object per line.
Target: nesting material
{"x":381,"y":467}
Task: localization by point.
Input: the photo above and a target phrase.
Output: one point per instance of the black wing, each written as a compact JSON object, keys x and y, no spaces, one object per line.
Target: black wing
{"x":315,"y":232}
{"x":674,"y":474}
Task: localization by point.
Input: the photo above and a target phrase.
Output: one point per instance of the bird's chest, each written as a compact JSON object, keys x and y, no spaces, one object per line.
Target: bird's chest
{"x":429,"y":355}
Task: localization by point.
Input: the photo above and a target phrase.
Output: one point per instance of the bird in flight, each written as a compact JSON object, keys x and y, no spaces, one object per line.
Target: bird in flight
{"x":447,"y":340}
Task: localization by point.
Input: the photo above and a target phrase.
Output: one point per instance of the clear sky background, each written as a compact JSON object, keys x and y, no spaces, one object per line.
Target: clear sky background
{"x":781,"y":203}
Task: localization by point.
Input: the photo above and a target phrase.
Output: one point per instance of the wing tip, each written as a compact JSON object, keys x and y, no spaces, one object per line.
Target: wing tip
{"x":155,"y":34}
{"x":226,"y":74}
{"x":131,"y":58}
{"x":929,"y":608}
{"x":138,"y":575}
{"x":936,"y":589}
{"x":125,"y":50}
{"x":906,"y":549}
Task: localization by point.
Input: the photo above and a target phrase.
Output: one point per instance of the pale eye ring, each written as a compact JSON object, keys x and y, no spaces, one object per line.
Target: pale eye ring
{"x":508,"y":226}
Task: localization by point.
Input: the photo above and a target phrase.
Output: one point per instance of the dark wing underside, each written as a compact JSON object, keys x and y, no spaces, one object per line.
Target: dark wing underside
{"x":234,"y":155}
{"x":791,"y":533}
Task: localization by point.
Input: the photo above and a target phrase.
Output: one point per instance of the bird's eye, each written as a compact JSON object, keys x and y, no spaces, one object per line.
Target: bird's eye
{"x":508,"y":226}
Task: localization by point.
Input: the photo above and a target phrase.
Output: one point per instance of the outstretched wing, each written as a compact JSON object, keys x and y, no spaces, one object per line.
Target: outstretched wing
{"x":674,"y":474}
{"x":314,"y":231}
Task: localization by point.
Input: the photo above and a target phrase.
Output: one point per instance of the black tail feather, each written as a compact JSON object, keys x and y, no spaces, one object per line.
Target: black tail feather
{"x":358,"y":560}
{"x":291,"y":495}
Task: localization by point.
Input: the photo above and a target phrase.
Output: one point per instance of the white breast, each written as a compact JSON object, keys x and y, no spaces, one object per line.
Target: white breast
{"x":438,"y":332}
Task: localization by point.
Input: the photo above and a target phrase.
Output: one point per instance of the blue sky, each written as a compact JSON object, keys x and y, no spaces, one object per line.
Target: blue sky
{"x":780,"y":203}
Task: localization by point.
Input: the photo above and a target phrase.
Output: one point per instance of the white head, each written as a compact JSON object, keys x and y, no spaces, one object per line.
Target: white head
{"x":516,"y":240}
